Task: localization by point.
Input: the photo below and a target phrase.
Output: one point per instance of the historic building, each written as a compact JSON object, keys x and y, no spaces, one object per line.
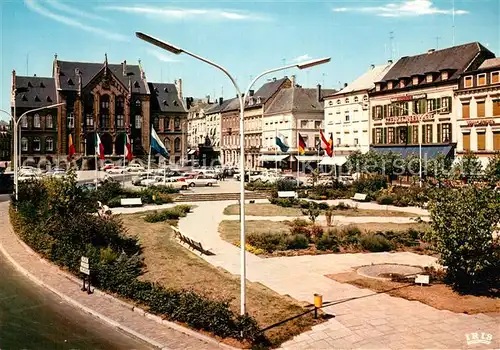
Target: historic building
{"x":5,"y":141}
{"x":413,"y":102}
{"x":109,"y":99}
{"x":478,"y":105}
{"x":197,"y":123}
{"x":347,"y":115}
{"x":255,"y":106}
{"x":294,"y":110}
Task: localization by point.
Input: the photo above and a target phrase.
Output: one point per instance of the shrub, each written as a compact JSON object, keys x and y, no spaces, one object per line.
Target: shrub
{"x":315,"y":231}
{"x":385,"y":200}
{"x":284,"y":202}
{"x":375,"y":243}
{"x":298,"y":241}
{"x":328,"y":241}
{"x":269,"y":241}
{"x":323,"y":206}
{"x":286,"y":185}
{"x":349,"y":236}
{"x":298,"y":229}
{"x":312,"y":212}
{"x":369,"y":185}
{"x":304,"y":204}
{"x":168,"y":214}
{"x":341,"y":206}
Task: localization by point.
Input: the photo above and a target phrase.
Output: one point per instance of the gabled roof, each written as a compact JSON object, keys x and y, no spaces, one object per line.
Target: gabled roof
{"x":295,"y":99}
{"x":367,"y":80}
{"x":455,"y":59}
{"x":165,"y":98}
{"x":490,"y":63}
{"x":68,"y":78}
{"x":217,"y":108}
{"x":41,"y":92}
{"x":230,"y":105}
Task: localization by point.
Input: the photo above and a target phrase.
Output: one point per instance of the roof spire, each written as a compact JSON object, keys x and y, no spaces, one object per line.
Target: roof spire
{"x":106,"y":59}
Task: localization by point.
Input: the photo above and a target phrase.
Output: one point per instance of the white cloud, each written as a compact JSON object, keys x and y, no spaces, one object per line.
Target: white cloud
{"x":161,"y":56}
{"x":34,"y":6}
{"x":74,"y":11}
{"x":406,"y":8}
{"x":302,"y":58}
{"x":182,"y":13}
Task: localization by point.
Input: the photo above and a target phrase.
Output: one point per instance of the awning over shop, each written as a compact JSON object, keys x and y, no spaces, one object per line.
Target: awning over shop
{"x":335,"y":160}
{"x":428,"y":152}
{"x":273,"y":157}
{"x":193,"y":151}
{"x":309,"y":158}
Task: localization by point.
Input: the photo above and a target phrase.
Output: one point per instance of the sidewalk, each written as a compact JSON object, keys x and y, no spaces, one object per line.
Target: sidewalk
{"x":112,"y":311}
{"x":363,"y":319}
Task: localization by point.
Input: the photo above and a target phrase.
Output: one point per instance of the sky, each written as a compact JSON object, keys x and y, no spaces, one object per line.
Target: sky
{"x":246,"y":37}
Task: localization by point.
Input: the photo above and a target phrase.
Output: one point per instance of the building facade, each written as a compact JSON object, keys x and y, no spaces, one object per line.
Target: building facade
{"x":414,"y":102}
{"x":5,"y":141}
{"x":109,"y":99}
{"x":478,"y":108}
{"x":197,"y":122}
{"x":347,"y":114}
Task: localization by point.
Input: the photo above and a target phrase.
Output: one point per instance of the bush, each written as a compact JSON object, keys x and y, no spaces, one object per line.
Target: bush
{"x":385,"y":200}
{"x":323,"y":206}
{"x":304,"y":204}
{"x":375,"y":243}
{"x":328,"y":241}
{"x":349,"y":236}
{"x":168,"y":214}
{"x":284,"y":202}
{"x":298,"y":241}
{"x":286,"y":185}
{"x":369,"y":185}
{"x":269,"y":241}
{"x":315,"y":231}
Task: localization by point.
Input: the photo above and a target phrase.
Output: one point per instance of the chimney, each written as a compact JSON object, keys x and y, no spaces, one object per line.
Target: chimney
{"x":372,"y":66}
{"x":251,"y":92}
{"x":179,"y":88}
{"x":293,"y":79}
{"x":318,"y":92}
{"x":124,"y":68}
{"x":274,"y":78}
{"x":345,"y":85}
{"x":430,"y":51}
{"x":389,"y":61}
{"x":220,"y":101}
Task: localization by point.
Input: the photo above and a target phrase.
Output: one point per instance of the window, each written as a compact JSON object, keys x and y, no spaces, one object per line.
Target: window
{"x":166,"y":124}
{"x":481,"y":79}
{"x":36,"y":121}
{"x":24,"y":122}
{"x":317,"y":124}
{"x":495,"y":77}
{"x":137,"y":103}
{"x":356,"y":99}
{"x":36,"y":144}
{"x":377,"y":87}
{"x":466,"y":142}
{"x":402,"y":83}
{"x":24,"y":144}
{"x":346,"y":100}
{"x":338,"y":102}
{"x":445,"y":133}
{"x":481,"y":141}
{"x":48,"y":121}
{"x":444,"y":75}
{"x":415,"y":81}
{"x":71,"y":120}
{"x":427,"y":133}
{"x":303,"y":124}
{"x":156,"y":123}
{"x":378,"y":135}
{"x":431,"y":105}
{"x":402,"y":135}
{"x":166,"y":141}
{"x":104,"y":102}
{"x":89,"y":120}
{"x":356,"y":142}
{"x":119,"y":121}
{"x":177,"y":144}
{"x":347,"y":117}
{"x":390,"y":135}
{"x":465,"y":110}
{"x":120,"y":104}
{"x":428,"y":78}
{"x":414,"y":134}
{"x":378,"y":112}
{"x":481,"y":109}
{"x":177,"y":123}
{"x":105,"y":122}
{"x":419,"y":106}
{"x":446,"y":103}
{"x":389,"y":85}
{"x":138,"y":121}
{"x":496,"y":140}
{"x":468,"y":82}
{"x":49,"y":144}
{"x":496,"y":107}
{"x":317,"y":142}
{"x":338,"y":141}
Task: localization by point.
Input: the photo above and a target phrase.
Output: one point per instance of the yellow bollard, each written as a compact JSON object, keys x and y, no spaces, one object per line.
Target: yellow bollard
{"x":318,"y":303}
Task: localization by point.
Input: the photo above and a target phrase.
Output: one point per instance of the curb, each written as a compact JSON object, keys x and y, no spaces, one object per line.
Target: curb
{"x":106,"y":319}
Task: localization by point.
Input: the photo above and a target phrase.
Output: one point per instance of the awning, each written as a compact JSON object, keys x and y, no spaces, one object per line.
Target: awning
{"x":273,"y":157}
{"x":335,"y":160}
{"x":309,"y":158}
{"x":427,"y":151}
{"x":193,"y":151}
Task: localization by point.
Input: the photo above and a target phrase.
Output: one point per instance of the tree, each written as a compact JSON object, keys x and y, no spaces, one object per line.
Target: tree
{"x":312,"y":211}
{"x":463,"y":222}
{"x":355,"y":162}
{"x":439,"y":167}
{"x":492,"y":171}
{"x":468,"y":168}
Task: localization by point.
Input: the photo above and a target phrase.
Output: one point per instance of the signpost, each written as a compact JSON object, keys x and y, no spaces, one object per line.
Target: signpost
{"x":85,"y":269}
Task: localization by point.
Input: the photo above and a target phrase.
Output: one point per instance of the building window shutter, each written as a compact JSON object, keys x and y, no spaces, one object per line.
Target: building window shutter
{"x":481,"y":141}
{"x":373,"y":112}
{"x":373,"y":136}
{"x":465,"y":110}
{"x":384,"y":135}
{"x":480,"y":109}
{"x":384,"y":111}
{"x":496,"y":140}
{"x":437,"y":104}
{"x":466,"y":142}
{"x":406,"y":106}
{"x":409,"y":139}
{"x":450,"y":104}
{"x":496,"y":107}
{"x":439,"y":140}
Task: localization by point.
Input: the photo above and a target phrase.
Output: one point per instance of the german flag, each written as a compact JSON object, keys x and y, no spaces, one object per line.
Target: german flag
{"x":71,"y":148}
{"x":302,"y":145}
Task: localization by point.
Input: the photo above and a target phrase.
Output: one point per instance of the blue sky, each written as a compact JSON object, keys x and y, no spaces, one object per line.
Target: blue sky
{"x":247,"y":37}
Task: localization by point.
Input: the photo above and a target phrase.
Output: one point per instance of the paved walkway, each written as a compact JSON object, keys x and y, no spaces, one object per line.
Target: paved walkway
{"x":363,"y":319}
{"x":110,"y":310}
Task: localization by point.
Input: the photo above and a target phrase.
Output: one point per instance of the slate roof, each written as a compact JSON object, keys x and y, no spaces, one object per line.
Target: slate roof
{"x":68,"y":79}
{"x":490,"y":63}
{"x":217,"y":108}
{"x":295,"y":99}
{"x":164,"y":98}
{"x":367,"y":80}
{"x":41,"y":92}
{"x":455,"y":59}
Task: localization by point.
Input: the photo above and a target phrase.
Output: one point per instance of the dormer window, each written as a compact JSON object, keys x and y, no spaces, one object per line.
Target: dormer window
{"x":428,"y":78}
{"x":165,"y":89}
{"x":176,"y":103}
{"x":346,"y":100}
{"x":415,"y":81}
{"x":378,"y":87}
{"x":481,"y":79}
{"x":70,"y":82}
{"x":165,"y":103}
{"x":136,"y":84}
{"x":330,"y":103}
{"x":48,"y":99}
{"x":29,"y":84}
{"x":468,"y":82}
{"x":356,"y":99}
{"x":42,"y":85}
{"x":495,"y":77}
{"x":338,"y":102}
{"x":37,"y":99}
{"x":24,"y":98}
{"x":444,"y":75}
{"x":137,"y":103}
{"x":389,"y":85}
{"x":402,"y":83}
{"x":259,"y":100}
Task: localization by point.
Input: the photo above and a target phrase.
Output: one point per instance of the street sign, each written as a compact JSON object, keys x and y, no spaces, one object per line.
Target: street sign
{"x":84,"y":265}
{"x":85,"y":270}
{"x":84,"y":260}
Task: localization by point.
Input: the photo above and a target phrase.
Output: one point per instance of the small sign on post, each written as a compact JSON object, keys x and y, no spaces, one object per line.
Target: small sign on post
{"x":422,"y":279}
{"x":85,"y":269}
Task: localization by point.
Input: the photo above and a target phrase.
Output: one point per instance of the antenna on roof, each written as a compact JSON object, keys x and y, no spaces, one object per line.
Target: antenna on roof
{"x":391,"y":39}
{"x":453,"y":21}
{"x":437,"y":42}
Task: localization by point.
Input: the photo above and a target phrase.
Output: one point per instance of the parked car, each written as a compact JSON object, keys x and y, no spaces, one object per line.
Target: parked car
{"x":136,"y":180}
{"x":134,"y":168}
{"x":116,"y":170}
{"x":149,"y":181}
{"x":201,"y":180}
{"x":107,"y":166}
{"x":168,"y":182}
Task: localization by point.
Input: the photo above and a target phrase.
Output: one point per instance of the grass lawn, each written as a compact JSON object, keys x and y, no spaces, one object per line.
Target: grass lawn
{"x":439,"y":296}
{"x":267,"y":209}
{"x":172,"y":265}
{"x":230,"y":229}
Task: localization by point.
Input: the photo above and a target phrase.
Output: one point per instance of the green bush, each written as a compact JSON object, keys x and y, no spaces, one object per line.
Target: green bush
{"x":370,"y":185}
{"x":349,"y":236}
{"x":304,"y":204}
{"x":168,"y":214}
{"x":286,"y":185}
{"x":385,"y":200}
{"x":284,"y":202}
{"x":375,"y":243}
{"x":323,"y":206}
{"x":269,"y":241}
{"x":298,"y":241}
{"x":328,"y":241}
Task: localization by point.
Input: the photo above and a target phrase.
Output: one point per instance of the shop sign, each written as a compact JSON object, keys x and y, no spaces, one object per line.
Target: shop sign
{"x":408,"y":98}
{"x":471,"y":123}
{"x":410,"y":118}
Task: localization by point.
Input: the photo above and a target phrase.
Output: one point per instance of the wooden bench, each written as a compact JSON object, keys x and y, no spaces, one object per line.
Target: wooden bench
{"x":359,"y":197}
{"x":287,"y":194}
{"x":130,"y":202}
{"x":191,"y":243}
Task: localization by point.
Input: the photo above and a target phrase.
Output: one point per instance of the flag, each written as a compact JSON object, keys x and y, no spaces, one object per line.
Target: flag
{"x":302,"y":145}
{"x":326,"y":144}
{"x":128,"y":148}
{"x":99,"y":147}
{"x":281,"y":143}
{"x":331,"y":144}
{"x":71,"y":148}
{"x":157,"y":145}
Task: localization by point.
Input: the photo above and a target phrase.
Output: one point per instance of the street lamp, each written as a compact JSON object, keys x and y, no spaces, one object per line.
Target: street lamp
{"x":303,"y":65}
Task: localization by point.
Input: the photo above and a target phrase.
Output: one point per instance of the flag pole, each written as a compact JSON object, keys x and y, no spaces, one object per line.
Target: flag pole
{"x":298,"y":162}
{"x":149,"y":161}
{"x":124,"y":158}
{"x":95,"y":157}
{"x":276,"y":150}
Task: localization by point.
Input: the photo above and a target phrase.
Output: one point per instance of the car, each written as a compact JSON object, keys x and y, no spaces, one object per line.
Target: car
{"x":107,"y":166}
{"x":200,"y":180}
{"x":134,"y":168}
{"x":116,"y":170}
{"x":149,"y":180}
{"x":168,"y":182}
{"x":292,"y":178}
{"x":57,"y":172}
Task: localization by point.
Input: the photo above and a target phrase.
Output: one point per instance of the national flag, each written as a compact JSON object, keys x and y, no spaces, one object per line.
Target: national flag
{"x":326,"y":144}
{"x":128,"y":148}
{"x":157,"y":145}
{"x":331,"y":144}
{"x":281,"y":143}
{"x":302,"y":145}
{"x":71,"y":148}
{"x":99,"y":147}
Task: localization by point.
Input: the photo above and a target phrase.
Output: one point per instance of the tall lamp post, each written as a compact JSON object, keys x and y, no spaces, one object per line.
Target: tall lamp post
{"x":176,"y":50}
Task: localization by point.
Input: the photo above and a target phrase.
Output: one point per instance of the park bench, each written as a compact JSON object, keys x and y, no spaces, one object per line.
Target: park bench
{"x":191,"y":243}
{"x":287,"y":194}
{"x":359,"y":197}
{"x":130,"y":202}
